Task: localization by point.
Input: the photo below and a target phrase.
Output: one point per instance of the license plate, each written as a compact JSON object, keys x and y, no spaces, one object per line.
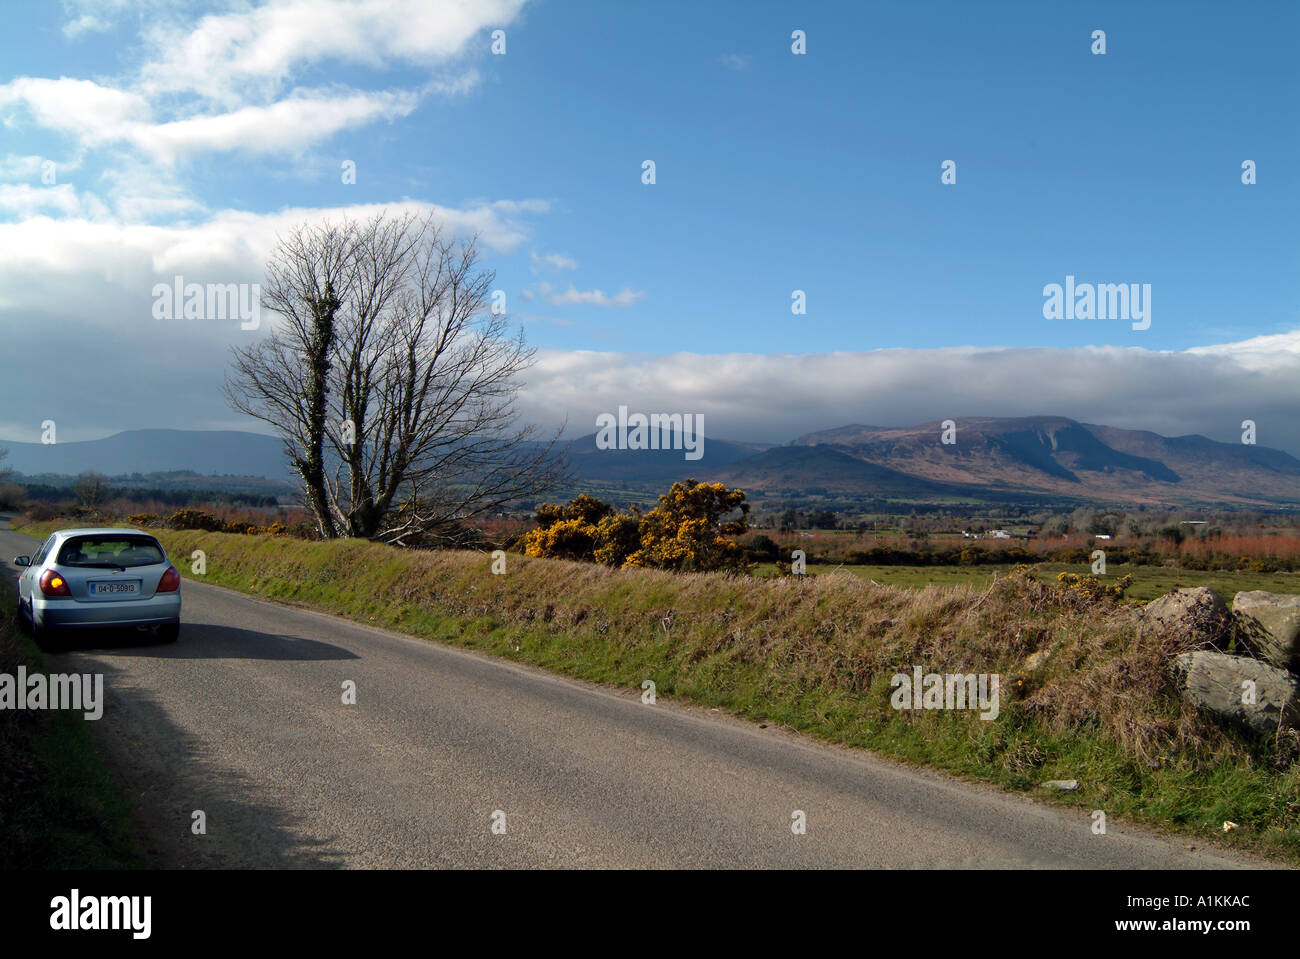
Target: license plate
{"x":106,"y":589}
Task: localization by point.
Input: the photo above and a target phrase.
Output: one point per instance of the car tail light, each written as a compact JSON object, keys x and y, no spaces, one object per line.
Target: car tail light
{"x":52,"y":584}
{"x":170,"y":582}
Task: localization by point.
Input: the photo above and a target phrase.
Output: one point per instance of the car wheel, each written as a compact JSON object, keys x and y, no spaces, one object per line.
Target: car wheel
{"x":169,"y":633}
{"x":44,"y":636}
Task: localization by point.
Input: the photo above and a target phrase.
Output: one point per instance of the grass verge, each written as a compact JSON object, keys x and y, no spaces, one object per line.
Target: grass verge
{"x":1085,"y":692}
{"x":59,"y":808}
{"x":1148,"y":581}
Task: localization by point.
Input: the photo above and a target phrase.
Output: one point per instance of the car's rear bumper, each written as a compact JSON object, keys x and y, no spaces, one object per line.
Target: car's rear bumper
{"x":158,"y":610}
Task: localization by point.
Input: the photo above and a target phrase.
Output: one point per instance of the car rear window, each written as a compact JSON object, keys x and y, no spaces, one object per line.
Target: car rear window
{"x":110,"y":552}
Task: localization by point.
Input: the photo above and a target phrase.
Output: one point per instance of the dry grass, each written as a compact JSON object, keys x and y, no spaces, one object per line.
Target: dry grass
{"x":1104,"y":668}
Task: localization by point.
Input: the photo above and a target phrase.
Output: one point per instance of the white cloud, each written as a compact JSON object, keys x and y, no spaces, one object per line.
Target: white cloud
{"x":1277,"y":351}
{"x":625,"y":297}
{"x":142,"y":192}
{"x":98,"y":115}
{"x":734,"y":61}
{"x":242,"y":60}
{"x":287,"y":126}
{"x":1209,"y":390}
{"x":16,"y":167}
{"x":151,"y":206}
{"x":553,"y":261}
{"x":90,"y":281}
{"x":94,"y":114}
{"x":97,"y":16}
{"x":86,"y":23}
{"x":516,"y":207}
{"x":104,"y":268}
{"x":24,"y":200}
{"x":261,"y":48}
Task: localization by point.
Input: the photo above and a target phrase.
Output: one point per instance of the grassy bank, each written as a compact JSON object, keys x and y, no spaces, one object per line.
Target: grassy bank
{"x":817,"y":655}
{"x":59,"y":808}
{"x":1148,"y":581}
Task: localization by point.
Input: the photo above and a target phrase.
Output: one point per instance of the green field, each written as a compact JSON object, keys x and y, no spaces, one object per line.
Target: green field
{"x":1148,"y":581}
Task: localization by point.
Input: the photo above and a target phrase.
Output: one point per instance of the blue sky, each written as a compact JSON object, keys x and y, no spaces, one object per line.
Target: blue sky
{"x":775,"y":172}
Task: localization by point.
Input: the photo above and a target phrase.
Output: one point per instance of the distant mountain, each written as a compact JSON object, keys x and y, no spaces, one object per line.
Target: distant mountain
{"x":798,"y":468}
{"x":1057,"y":455}
{"x":651,"y":466}
{"x":209,"y":452}
{"x":1026,"y":458}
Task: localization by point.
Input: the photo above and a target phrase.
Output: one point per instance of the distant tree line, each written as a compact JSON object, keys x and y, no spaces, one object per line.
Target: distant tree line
{"x":45,"y":493}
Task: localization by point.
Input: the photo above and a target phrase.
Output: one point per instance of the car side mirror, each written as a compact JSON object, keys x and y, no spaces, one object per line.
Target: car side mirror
{"x":22,"y":561}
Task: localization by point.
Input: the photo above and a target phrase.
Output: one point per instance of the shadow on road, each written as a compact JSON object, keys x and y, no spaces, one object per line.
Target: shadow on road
{"x":200,"y":641}
{"x":168,"y":775}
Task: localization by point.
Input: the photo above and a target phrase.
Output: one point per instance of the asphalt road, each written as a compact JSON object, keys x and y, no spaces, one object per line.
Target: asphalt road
{"x":243,"y":719}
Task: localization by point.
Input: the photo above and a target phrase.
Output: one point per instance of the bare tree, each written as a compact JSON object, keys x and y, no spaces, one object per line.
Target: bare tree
{"x":11,"y":494}
{"x":390,"y":382}
{"x":90,"y":490}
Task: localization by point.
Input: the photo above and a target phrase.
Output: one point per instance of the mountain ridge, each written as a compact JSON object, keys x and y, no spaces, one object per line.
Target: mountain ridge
{"x":1033,"y":456}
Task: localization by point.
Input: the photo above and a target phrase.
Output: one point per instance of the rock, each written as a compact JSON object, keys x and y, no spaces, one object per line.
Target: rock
{"x":1035,"y":660}
{"x":1213,"y":681}
{"x":1200,"y":611}
{"x":1066,"y":784}
{"x":1276,"y":638}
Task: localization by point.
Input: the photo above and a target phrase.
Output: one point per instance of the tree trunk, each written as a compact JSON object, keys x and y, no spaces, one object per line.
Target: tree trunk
{"x":312,"y":465}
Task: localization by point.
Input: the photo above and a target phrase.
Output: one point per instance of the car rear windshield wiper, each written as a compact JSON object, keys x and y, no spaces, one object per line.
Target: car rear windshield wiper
{"x":98,"y":566}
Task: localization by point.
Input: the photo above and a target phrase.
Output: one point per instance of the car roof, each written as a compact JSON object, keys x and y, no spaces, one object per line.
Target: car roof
{"x":101,"y":531}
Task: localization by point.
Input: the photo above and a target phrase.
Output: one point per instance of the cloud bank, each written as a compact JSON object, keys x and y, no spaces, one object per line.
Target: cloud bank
{"x":1208,"y":390}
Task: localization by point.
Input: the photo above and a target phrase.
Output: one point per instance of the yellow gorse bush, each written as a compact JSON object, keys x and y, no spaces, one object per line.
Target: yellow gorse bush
{"x":1090,"y":587}
{"x":688,"y":530}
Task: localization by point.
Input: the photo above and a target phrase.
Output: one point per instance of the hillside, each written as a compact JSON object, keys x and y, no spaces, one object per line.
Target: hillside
{"x":207,"y":452}
{"x":994,"y":459}
{"x":590,"y":464}
{"x":798,"y":468}
{"x":1054,"y":454}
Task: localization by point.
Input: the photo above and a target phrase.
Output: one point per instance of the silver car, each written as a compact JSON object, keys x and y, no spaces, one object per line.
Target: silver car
{"x":100,"y":578}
